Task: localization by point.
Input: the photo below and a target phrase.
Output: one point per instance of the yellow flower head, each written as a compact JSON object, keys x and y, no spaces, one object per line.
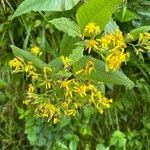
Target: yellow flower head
{"x":80,"y":89}
{"x":17,"y":64}
{"x":48,"y":84}
{"x":89,"y":66}
{"x":92,"y":28}
{"x":31,"y":88}
{"x":36,"y":51}
{"x":106,"y":41}
{"x":46,"y":110}
{"x":66,"y":61}
{"x":67,"y":85}
{"x":115,"y":59}
{"x":27,"y":101}
{"x":29,"y":68}
{"x":118,"y":39}
{"x":144,"y":38}
{"x":91,"y":44}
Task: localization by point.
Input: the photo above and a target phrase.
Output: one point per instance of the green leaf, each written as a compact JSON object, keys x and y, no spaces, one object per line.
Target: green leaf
{"x":77,"y":54}
{"x":44,"y":5}
{"x":118,"y":138}
{"x":57,"y":63}
{"x":3,"y":84}
{"x":67,"y":45}
{"x":63,"y":73}
{"x":28,"y":57}
{"x":97,"y":11}
{"x":67,"y":26}
{"x":74,"y":143}
{"x":126,"y":16}
{"x":111,"y":27}
{"x":134,"y":34}
{"x":99,"y":74}
{"x":101,"y":147}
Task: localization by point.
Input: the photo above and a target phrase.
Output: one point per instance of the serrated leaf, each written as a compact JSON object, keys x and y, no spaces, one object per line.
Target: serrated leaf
{"x":28,"y":57}
{"x":134,"y":34}
{"x":97,"y":11}
{"x":77,"y":54}
{"x":100,"y":74}
{"x":44,"y":5}
{"x":67,"y":26}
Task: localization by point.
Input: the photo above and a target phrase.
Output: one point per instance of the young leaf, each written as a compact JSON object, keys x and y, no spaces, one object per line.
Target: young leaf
{"x":99,"y":73}
{"x":28,"y":57}
{"x":44,"y":5}
{"x":97,"y":11}
{"x":67,"y":26}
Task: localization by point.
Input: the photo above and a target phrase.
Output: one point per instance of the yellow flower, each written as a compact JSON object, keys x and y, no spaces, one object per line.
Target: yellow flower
{"x":92,"y":88}
{"x":66,"y":61}
{"x":36,"y":51}
{"x":26,"y":101}
{"x":118,"y":39}
{"x":80,"y":89}
{"x":30,"y":88}
{"x":91,"y":44}
{"x":105,"y":41}
{"x":47,"y":84}
{"x":66,"y":84}
{"x":55,"y":120}
{"x":46,"y":110}
{"x":89,"y":66}
{"x":34,"y":75}
{"x":100,"y":110}
{"x":115,"y":59}
{"x":92,"y":28}
{"x":71,"y":112}
{"x":29,"y":68}
{"x":17,"y":64}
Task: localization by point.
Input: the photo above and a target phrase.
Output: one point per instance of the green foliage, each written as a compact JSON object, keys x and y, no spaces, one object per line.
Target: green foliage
{"x":125,"y":15}
{"x":67,"y":26}
{"x":96,"y":11}
{"x":100,"y":74}
{"x":111,"y":27}
{"x":46,"y":5}
{"x":67,"y":45}
{"x":126,"y":125}
{"x":134,"y":34}
{"x":118,"y":139}
{"x":28,"y":57}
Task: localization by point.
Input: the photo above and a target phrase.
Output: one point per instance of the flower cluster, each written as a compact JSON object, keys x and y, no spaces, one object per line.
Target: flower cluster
{"x":19,"y":65}
{"x":52,"y":97}
{"x":110,"y":46}
{"x":144,"y":41}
